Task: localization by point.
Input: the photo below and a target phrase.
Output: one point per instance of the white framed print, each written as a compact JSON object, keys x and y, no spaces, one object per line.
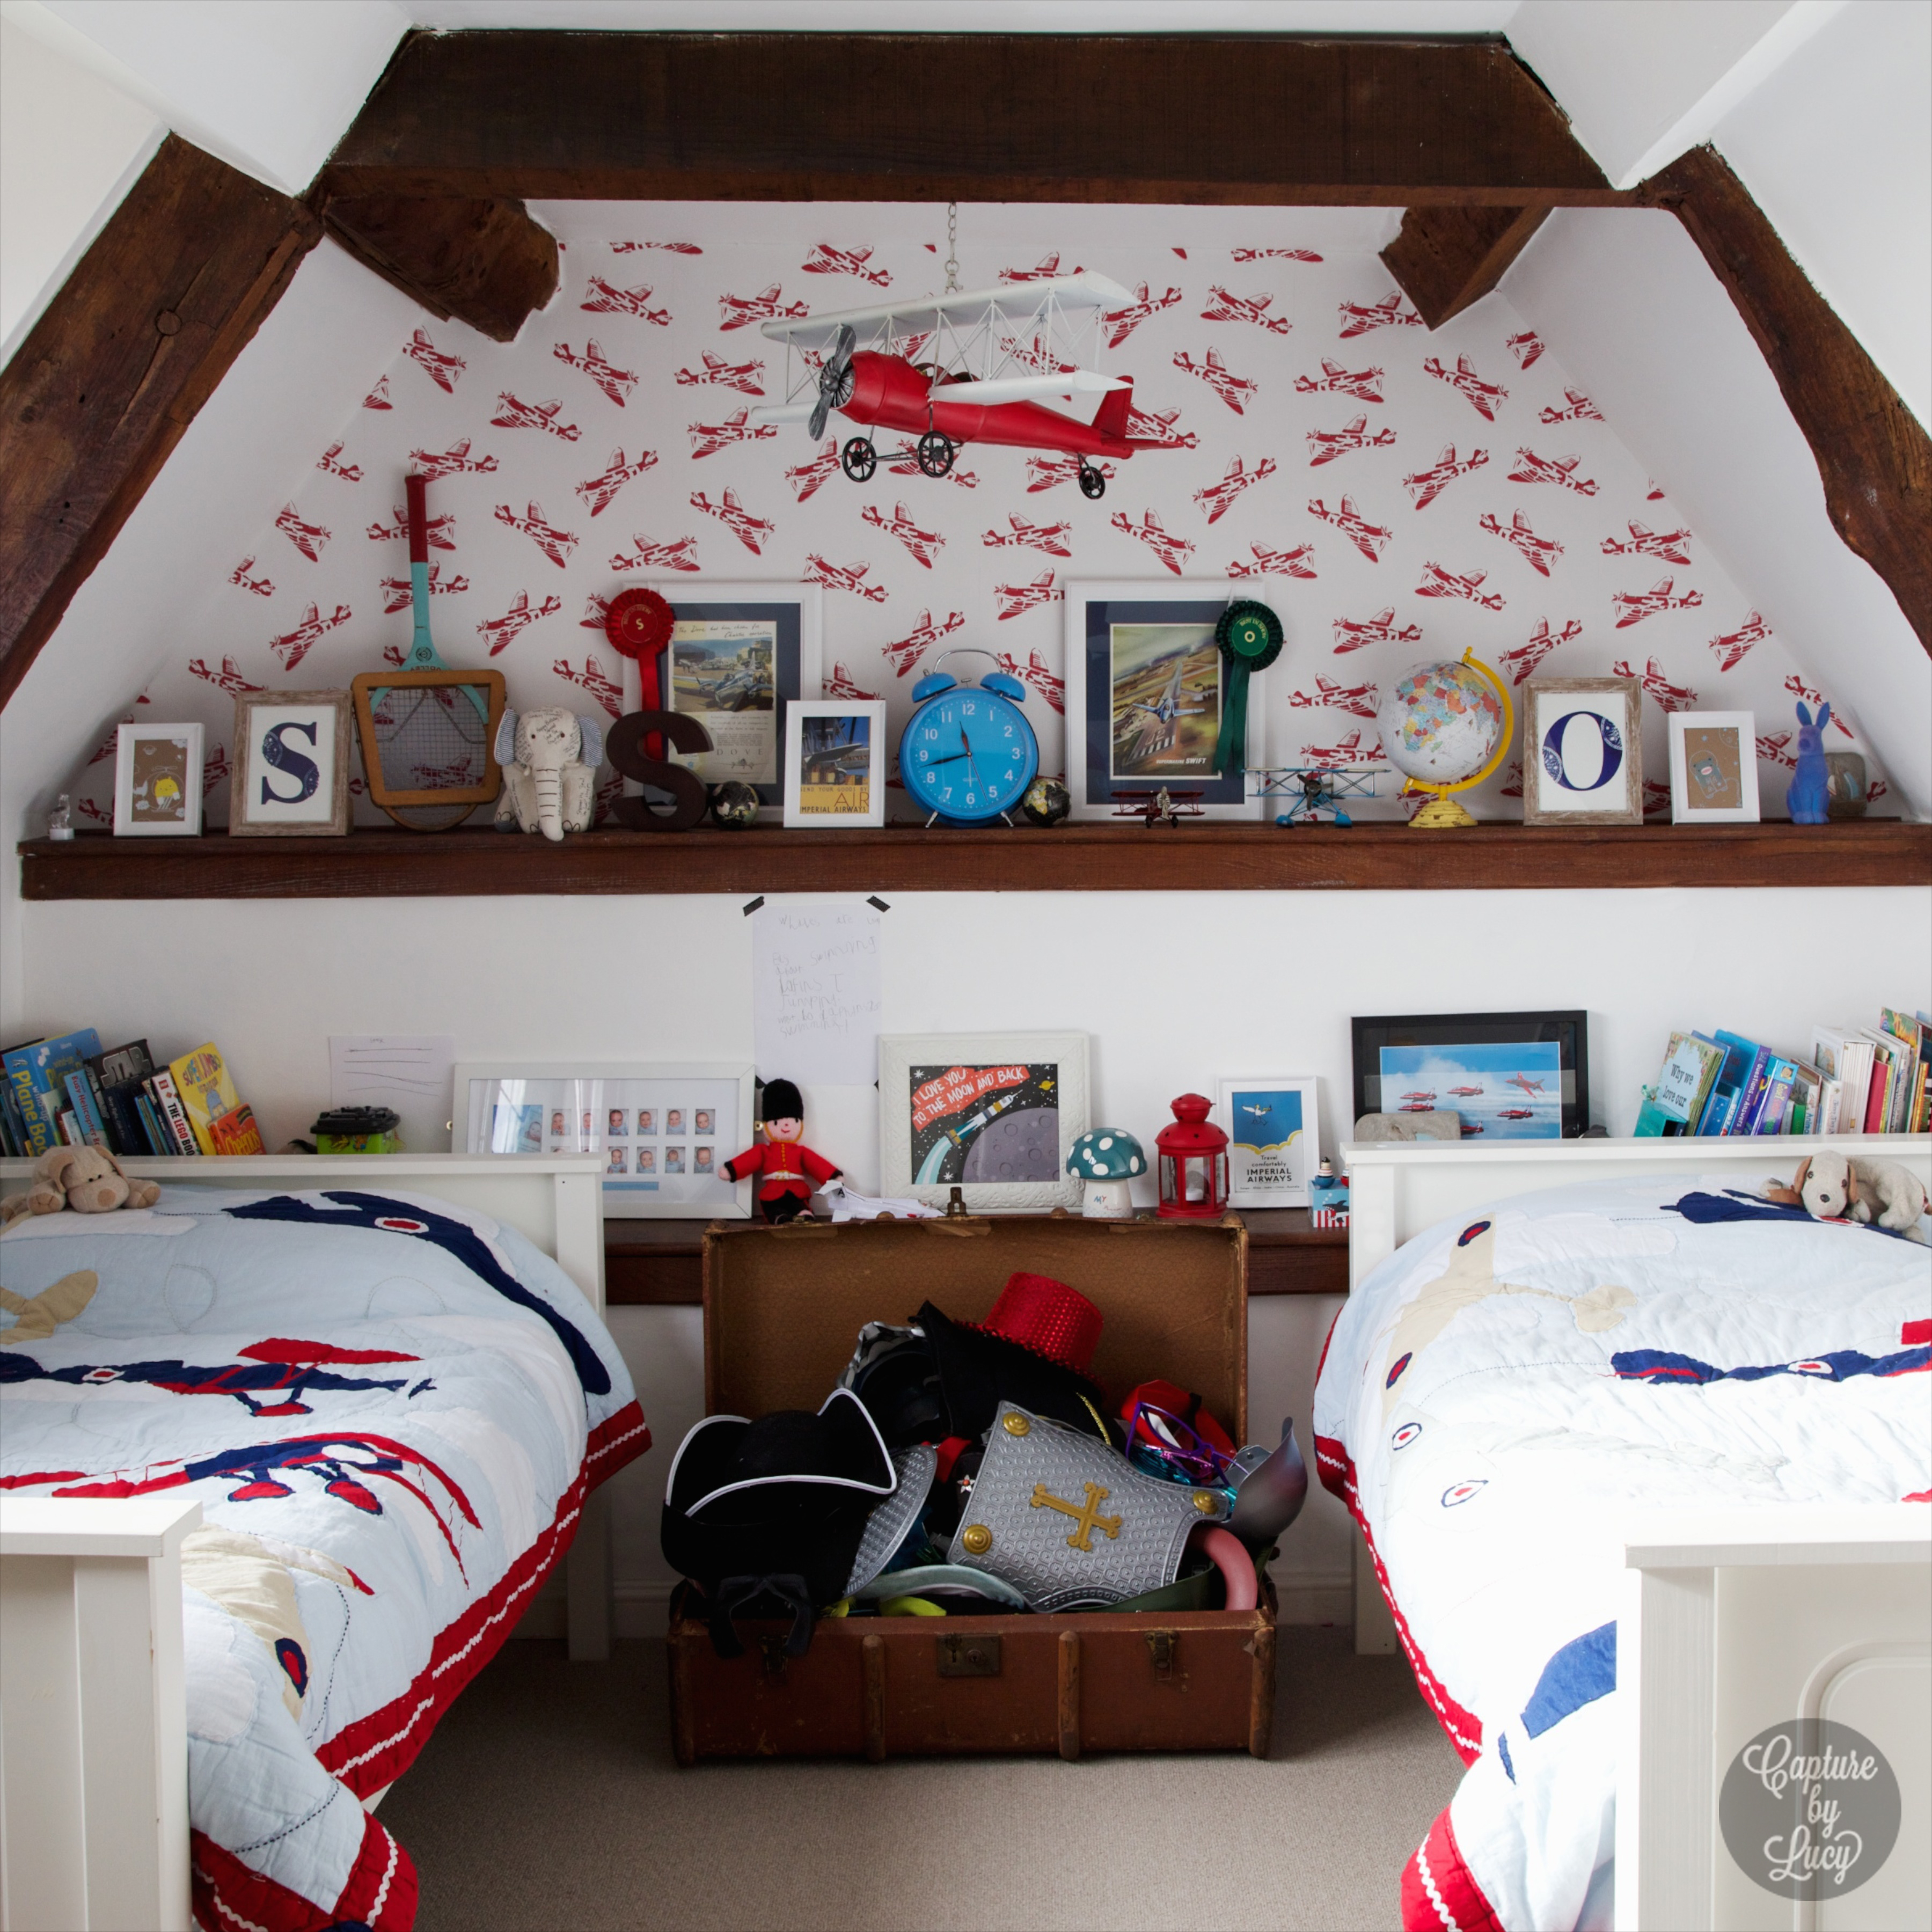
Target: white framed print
{"x":1274,"y":1139}
{"x":1713,"y":768}
{"x":291,"y":764}
{"x":1583,"y":751}
{"x":1145,"y":685}
{"x":158,"y":770}
{"x":835,"y":762}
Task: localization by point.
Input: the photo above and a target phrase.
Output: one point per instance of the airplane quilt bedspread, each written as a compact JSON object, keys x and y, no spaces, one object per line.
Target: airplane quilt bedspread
{"x":391,"y":1410}
{"x":1505,"y":1385}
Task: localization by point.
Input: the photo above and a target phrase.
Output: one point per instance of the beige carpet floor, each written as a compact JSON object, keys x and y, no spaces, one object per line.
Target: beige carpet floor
{"x":548,"y":1798}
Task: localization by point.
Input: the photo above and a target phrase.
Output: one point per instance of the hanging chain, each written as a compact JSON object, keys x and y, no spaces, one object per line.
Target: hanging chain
{"x":952,"y":248}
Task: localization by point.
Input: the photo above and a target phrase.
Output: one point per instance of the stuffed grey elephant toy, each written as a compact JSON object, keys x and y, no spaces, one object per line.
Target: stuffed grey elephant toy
{"x":550,"y":758}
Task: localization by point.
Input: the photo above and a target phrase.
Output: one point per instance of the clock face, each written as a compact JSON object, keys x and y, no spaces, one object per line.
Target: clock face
{"x":968,"y":755}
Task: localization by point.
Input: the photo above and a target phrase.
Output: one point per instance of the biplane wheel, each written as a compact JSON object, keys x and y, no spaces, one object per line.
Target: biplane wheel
{"x":859,"y":459}
{"x":935,"y":453}
{"x":1093,"y":485}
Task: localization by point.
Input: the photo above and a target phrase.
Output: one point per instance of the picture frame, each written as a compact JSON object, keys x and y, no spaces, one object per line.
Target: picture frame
{"x":1274,"y":1138}
{"x":1713,"y":768}
{"x":1123,"y":639}
{"x":715,"y":623}
{"x":299,"y":789}
{"x":157,"y":775}
{"x":1511,"y":1076}
{"x":1583,"y":751}
{"x":955,"y":1107}
{"x":651,"y":1121}
{"x":835,"y":762}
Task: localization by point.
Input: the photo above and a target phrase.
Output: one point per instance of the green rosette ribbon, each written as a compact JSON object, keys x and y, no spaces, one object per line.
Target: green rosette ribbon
{"x":1250,"y":637}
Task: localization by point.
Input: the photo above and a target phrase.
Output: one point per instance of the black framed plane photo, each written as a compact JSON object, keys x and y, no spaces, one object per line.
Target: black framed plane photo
{"x":1508,"y":1076}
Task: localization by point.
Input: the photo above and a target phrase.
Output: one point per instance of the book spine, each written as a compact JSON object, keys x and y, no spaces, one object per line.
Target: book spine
{"x":1876,"y":1109}
{"x":1752,"y":1091}
{"x":1774,"y":1102}
{"x":159,"y":1140}
{"x":1829,"y":1098}
{"x":82,"y":1102}
{"x":97,"y":1099}
{"x":73,"y":1133}
{"x":174,"y":1113}
{"x":124,"y":1120}
{"x":38,"y":1127}
{"x":12,"y":1134}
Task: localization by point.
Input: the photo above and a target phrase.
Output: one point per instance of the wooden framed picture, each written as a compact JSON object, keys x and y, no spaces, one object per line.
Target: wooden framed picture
{"x":1145,"y":685}
{"x":1713,"y":768}
{"x":291,"y":765}
{"x":1510,"y":1076}
{"x":158,"y":781}
{"x":994,"y":1114}
{"x":1274,"y":1140}
{"x":1583,"y":751}
{"x":835,"y":763}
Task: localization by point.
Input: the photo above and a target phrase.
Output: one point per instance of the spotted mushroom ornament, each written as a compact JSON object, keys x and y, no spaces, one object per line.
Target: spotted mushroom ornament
{"x":1104,"y":1162}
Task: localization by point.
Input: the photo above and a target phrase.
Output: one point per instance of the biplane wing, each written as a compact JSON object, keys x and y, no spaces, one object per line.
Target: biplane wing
{"x":1016,"y":304}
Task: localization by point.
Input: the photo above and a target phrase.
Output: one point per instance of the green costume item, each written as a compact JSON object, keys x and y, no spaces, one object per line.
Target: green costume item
{"x":1250,"y":637}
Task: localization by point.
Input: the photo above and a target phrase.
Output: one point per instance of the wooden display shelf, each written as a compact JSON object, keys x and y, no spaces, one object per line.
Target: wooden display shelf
{"x":1199,"y":856}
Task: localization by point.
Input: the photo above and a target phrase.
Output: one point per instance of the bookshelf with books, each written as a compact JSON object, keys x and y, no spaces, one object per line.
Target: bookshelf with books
{"x":64,"y":1090}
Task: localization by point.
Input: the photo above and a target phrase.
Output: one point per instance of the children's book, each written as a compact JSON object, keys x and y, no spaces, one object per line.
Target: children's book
{"x":1843,"y":1055}
{"x":116,"y":1076}
{"x":37,"y":1074}
{"x":1691,"y":1069}
{"x":167,"y":1103}
{"x":1904,"y":1026}
{"x":208,"y":1097}
{"x":1781,"y":1076}
{"x":1887,"y":1074}
{"x":1742,"y":1077}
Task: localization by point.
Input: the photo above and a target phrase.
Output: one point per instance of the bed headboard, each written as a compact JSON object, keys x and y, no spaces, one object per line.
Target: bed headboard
{"x":1398,"y":1188}
{"x":556,"y":1201}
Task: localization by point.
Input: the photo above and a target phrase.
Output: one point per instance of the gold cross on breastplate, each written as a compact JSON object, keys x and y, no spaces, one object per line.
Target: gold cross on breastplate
{"x":1087,"y":1516}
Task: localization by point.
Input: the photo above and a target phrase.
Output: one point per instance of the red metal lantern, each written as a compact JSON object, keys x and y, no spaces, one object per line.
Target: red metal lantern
{"x":1193,"y":1163}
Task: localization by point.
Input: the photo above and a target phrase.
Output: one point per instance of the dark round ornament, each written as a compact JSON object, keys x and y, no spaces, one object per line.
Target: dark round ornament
{"x":1046,"y":802}
{"x":1249,"y":633}
{"x":638,"y":622}
{"x":734,"y":805}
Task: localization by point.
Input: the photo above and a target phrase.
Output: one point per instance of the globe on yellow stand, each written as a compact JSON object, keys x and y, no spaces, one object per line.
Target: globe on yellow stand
{"x":1446,"y":727}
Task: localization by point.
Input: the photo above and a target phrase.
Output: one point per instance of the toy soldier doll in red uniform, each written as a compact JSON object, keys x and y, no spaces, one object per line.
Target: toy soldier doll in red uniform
{"x":788,"y":1169}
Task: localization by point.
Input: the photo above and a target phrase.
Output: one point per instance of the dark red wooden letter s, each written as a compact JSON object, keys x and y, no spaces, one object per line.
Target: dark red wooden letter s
{"x":625,"y":748}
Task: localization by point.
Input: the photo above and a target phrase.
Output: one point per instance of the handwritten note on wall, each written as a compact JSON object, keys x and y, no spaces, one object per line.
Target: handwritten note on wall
{"x":815,"y":979}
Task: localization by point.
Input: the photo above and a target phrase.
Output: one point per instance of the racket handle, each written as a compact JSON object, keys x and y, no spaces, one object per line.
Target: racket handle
{"x":418,"y":488}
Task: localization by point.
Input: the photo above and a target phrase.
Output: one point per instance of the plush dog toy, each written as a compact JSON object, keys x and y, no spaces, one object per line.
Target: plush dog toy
{"x":87,"y":1179}
{"x":1831,"y":1185}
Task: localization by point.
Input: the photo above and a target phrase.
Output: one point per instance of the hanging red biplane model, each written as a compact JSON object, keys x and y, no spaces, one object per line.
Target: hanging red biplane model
{"x":976,"y":388}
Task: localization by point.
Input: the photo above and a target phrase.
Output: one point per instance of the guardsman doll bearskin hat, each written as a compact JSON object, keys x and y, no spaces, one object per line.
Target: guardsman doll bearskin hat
{"x":788,"y":1169}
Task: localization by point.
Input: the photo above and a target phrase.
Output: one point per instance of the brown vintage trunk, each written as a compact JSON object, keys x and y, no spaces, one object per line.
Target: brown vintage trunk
{"x":782,"y":1309}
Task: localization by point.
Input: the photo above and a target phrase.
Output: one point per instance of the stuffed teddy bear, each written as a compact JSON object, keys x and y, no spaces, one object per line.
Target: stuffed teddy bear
{"x":1831,"y":1185}
{"x":87,"y":1179}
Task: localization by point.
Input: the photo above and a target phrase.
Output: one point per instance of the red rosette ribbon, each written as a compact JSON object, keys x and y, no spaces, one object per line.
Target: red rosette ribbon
{"x":638,"y":622}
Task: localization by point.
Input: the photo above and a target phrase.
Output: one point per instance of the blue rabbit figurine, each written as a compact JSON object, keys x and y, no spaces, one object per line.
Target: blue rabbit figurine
{"x":1810,"y":784}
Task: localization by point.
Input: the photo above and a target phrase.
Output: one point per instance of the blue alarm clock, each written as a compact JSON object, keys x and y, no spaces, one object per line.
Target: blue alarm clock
{"x":967,"y":754}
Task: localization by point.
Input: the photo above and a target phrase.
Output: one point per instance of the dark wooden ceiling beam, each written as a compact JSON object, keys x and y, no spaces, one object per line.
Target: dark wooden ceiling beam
{"x":1254,"y":121}
{"x":1443,"y":258}
{"x":1873,"y":456}
{"x":116,"y":368}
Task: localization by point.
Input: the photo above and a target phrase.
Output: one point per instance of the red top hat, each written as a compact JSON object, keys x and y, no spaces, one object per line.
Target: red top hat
{"x":1048,"y":1317}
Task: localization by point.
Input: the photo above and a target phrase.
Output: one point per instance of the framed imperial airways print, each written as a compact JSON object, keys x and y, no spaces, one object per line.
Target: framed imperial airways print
{"x":1274,"y":1141}
{"x":994,"y":1114}
{"x":1146,"y":684}
{"x":1583,"y":751}
{"x":291,"y":764}
{"x":1713,"y":768}
{"x":158,"y":781}
{"x":835,"y":762}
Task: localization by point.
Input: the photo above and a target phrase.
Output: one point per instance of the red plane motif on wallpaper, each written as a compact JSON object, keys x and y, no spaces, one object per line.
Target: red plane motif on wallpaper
{"x":1539,"y":552}
{"x":1349,"y":750}
{"x":1511,"y":783}
{"x":441,"y":777}
{"x":439,"y":532}
{"x":1351,"y":633}
{"x":1043,"y":271}
{"x":907,"y":651}
{"x":1217,"y":499}
{"x":616,"y":383}
{"x":1273,"y":255}
{"x":1016,"y":599}
{"x":604,"y":799}
{"x":1561,"y":470}
{"x":670,"y":247}
{"x":1325,"y":444}
{"x":845,"y":576}
{"x":446,"y":371}
{"x":1036,"y":672}
{"x":605,"y":298}
{"x":309,"y":538}
{"x":1232,"y":389}
{"x":1438,"y":581}
{"x":751,"y":531}
{"x":1656,"y":797}
{"x":396,"y":589}
{"x":1482,"y":396}
{"x":1222,"y":307}
{"x":1170,"y":549}
{"x":293,"y":645}
{"x":1636,"y":605}
{"x":594,"y":680}
{"x":1733,"y":647}
{"x":1799,"y":687}
{"x":827,"y":260}
{"x":1368,"y":538}
{"x":1156,"y":428}
{"x":842,"y":684}
{"x":1360,"y":700}
{"x":216,"y":771}
{"x":1266,"y":562}
{"x":1523,"y":660}
{"x":1050,"y":538}
{"x":808,"y":477}
{"x":1771,"y":748}
{"x":261,"y":586}
{"x":596,"y":613}
{"x":647,"y":555}
{"x":903,"y":461}
{"x":1426,"y":485}
{"x":110,"y":744}
{"x":1656,"y":492}
{"x":708,"y":439}
{"x":600,"y":492}
{"x":1364,"y":385}
{"x":330,"y":460}
{"x":718,"y":373}
{"x":504,"y":631}
{"x":393,"y":654}
{"x":919,"y":543}
{"x":1580,"y":409}
{"x":1358,"y":319}
{"x":1045,"y":472}
{"x":1669,"y":697}
{"x":1672,"y":546}
{"x":1035,"y":355}
{"x":741,"y":311}
{"x":513,"y":413}
{"x":229,"y":678}
{"x":1525,"y":347}
{"x":378,"y":398}
{"x":1123,"y":322}
{"x":555,"y":544}
{"x":456,"y":460}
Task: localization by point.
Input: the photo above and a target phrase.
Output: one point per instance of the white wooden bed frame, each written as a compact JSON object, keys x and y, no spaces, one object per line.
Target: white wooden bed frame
{"x":93,"y":1716}
{"x":1733,"y":1619}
